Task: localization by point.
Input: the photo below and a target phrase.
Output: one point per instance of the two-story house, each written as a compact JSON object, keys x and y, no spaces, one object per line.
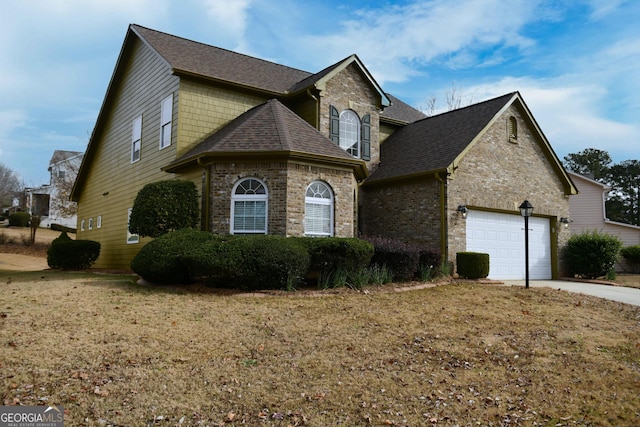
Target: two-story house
{"x":51,"y":201}
{"x":276,"y":150}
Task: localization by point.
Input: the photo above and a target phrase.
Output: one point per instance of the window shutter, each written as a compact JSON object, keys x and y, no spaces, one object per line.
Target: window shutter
{"x":366,"y":137}
{"x":334,"y":125}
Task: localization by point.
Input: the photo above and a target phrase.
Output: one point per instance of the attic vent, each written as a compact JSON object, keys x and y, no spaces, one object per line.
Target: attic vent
{"x":512,"y":129}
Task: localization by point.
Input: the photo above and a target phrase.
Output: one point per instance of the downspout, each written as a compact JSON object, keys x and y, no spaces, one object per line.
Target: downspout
{"x":317,"y":108}
{"x":443,"y":219}
{"x":206,"y":196}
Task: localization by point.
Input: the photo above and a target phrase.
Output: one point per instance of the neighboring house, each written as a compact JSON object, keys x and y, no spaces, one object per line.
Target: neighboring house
{"x":588,"y":213}
{"x":51,"y":201}
{"x":276,"y":150}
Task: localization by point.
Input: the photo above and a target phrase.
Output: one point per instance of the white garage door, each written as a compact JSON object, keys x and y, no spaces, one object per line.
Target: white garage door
{"x":502,"y":237}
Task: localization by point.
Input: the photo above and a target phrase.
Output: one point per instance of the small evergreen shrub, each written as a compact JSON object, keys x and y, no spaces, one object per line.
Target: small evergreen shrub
{"x":592,"y":254}
{"x":19,"y":219}
{"x":164,"y":206}
{"x":68,"y":254}
{"x":402,"y":259}
{"x":631,"y":254}
{"x":267,"y":262}
{"x":472,"y":265}
{"x":163,"y":259}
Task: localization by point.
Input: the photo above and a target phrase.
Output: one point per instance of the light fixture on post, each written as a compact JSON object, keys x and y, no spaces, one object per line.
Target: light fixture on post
{"x":526,"y":210}
{"x":565,"y":221}
{"x":463,"y":210}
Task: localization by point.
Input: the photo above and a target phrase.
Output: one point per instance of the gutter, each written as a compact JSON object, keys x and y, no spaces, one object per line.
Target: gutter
{"x":206,"y":196}
{"x":443,"y":218}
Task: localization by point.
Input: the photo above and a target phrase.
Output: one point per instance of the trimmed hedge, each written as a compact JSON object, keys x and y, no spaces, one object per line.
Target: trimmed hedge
{"x":68,"y":254}
{"x":592,"y":254}
{"x":19,"y":219}
{"x":632,"y":255}
{"x":163,"y":259}
{"x":472,"y":265}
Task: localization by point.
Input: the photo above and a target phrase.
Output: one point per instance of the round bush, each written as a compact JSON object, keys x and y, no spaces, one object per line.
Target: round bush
{"x":163,"y":259}
{"x":19,"y":219}
{"x":68,"y":254}
{"x":592,"y":254}
{"x":472,"y":265}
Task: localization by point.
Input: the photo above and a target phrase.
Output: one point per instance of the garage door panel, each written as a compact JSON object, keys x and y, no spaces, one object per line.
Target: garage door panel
{"x":502,"y":237}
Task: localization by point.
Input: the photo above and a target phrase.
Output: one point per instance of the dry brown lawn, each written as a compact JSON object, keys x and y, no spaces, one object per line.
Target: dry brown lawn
{"x":116,"y":353}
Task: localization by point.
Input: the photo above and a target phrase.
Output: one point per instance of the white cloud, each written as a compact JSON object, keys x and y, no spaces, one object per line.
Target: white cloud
{"x":229,"y":20}
{"x":569,"y":115}
{"x":420,"y":32}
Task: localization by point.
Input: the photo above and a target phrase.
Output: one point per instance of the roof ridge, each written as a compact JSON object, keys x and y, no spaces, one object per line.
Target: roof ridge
{"x":219,"y":48}
{"x":474,"y":105}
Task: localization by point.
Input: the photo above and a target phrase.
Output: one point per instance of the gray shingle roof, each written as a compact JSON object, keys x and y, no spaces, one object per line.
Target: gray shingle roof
{"x":433,"y":143}
{"x":402,"y":112}
{"x":269,"y":128}
{"x":190,"y":57}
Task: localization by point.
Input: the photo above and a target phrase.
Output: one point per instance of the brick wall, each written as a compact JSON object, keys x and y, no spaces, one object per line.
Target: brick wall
{"x":498,"y":174}
{"x":409,"y":211}
{"x":350,"y":90}
{"x":286,"y":185}
{"x":495,"y":174}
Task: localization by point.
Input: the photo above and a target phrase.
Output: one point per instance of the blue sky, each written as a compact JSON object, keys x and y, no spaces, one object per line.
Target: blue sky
{"x":576,"y":63}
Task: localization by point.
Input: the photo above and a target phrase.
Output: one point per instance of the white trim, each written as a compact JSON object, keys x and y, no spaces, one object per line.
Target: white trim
{"x":136,"y":139}
{"x":319,"y":201}
{"x":166,"y":118}
{"x":131,"y":238}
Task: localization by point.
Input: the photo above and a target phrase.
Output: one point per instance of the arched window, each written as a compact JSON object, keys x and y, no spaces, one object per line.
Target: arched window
{"x":513,"y":129}
{"x":318,"y":210}
{"x":249,"y":207}
{"x":350,"y":132}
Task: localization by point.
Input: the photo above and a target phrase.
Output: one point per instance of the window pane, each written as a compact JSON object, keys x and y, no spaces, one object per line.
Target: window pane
{"x":349,"y":132}
{"x":249,"y":216}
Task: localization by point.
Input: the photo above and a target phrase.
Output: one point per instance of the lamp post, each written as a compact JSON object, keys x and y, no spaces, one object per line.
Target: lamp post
{"x":526,"y":209}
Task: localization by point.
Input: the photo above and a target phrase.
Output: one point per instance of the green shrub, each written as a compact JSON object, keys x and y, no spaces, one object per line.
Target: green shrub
{"x":592,"y":254}
{"x":163,"y":259}
{"x":330,"y":255}
{"x":631,"y":254}
{"x":67,"y":254}
{"x":268,"y":262}
{"x":401,"y":258}
{"x":472,"y":265}
{"x":19,"y":219}
{"x":164,"y":206}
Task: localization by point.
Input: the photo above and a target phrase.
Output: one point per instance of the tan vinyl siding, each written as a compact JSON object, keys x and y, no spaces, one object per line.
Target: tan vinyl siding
{"x":587,"y":207}
{"x":206,"y":109}
{"x":112,"y":182}
{"x":588,"y":213}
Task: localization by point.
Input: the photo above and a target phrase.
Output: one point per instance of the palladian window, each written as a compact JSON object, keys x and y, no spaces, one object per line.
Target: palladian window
{"x":318,"y":210}
{"x":249,"y":207}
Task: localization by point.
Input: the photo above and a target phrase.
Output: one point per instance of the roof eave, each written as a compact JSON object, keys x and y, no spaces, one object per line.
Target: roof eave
{"x":358,"y":166}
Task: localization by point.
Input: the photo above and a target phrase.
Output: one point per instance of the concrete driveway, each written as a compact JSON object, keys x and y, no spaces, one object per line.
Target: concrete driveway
{"x":614,"y":293}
